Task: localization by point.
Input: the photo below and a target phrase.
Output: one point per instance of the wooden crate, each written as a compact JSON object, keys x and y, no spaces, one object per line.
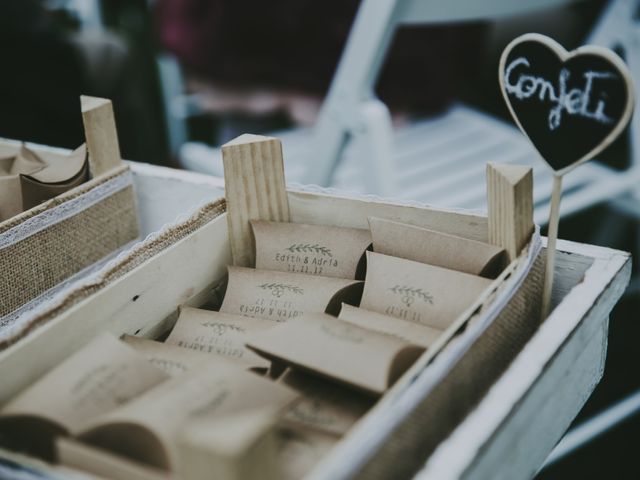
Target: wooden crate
{"x":528,"y":389}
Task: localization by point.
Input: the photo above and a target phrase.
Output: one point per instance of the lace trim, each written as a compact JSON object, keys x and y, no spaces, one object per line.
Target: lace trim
{"x":65,"y":210}
{"x":13,"y":320}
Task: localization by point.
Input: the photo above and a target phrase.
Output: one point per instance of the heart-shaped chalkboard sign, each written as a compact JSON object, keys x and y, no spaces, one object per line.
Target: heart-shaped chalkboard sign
{"x":570,"y":105}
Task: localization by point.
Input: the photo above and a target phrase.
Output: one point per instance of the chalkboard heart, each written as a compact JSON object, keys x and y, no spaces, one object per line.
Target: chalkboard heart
{"x":570,"y":105}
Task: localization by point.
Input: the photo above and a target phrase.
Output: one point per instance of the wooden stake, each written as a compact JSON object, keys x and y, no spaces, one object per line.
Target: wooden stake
{"x":554,"y":218}
{"x":101,"y":134}
{"x":255,"y":190}
{"x":510,"y":206}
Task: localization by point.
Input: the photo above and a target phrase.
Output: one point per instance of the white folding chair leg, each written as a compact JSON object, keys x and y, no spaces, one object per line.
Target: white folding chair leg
{"x":374,"y":148}
{"x":633,"y":62}
{"x":172,"y":89}
{"x":594,"y":427}
{"x":326,"y":147}
{"x":352,"y":84}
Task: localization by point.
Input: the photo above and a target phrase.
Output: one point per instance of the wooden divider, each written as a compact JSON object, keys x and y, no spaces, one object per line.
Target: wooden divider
{"x":255,"y":190}
{"x":101,"y":135}
{"x":510,"y":206}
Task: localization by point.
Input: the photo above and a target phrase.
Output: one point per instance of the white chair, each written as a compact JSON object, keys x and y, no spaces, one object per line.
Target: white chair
{"x":440,"y":161}
{"x":351,"y":108}
{"x":437,"y":161}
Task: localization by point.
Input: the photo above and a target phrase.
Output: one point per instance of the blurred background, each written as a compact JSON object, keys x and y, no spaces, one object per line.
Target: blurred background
{"x":413,"y":111}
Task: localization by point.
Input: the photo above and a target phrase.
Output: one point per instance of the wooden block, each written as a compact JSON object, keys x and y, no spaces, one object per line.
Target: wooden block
{"x":241,"y":446}
{"x":510,"y":205}
{"x":101,"y":134}
{"x":255,"y":190}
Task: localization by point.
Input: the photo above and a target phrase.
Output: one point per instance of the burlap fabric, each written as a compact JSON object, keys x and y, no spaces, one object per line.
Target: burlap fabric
{"x":409,"y":445}
{"x":124,"y":263}
{"x":63,"y":241}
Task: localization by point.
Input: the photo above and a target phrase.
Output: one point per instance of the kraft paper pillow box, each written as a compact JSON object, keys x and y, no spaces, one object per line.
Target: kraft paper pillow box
{"x":186,"y":262}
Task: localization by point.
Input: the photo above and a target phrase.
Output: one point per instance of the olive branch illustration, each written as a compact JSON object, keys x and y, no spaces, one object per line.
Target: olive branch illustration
{"x":221,"y":328}
{"x":278,"y":289}
{"x":409,"y":294}
{"x":308,"y":248}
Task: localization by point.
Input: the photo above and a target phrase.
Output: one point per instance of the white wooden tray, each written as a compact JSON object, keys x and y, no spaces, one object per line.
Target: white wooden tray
{"x":526,"y":412}
{"x":507,"y":435}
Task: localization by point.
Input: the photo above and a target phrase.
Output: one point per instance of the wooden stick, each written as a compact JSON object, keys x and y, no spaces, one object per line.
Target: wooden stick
{"x":510,"y":206}
{"x":101,"y":134}
{"x":255,"y":190}
{"x":554,"y":218}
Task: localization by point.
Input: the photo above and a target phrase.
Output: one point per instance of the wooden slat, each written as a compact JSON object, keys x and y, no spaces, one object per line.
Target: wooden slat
{"x":101,"y":134}
{"x":510,"y":206}
{"x":323,"y":209}
{"x":254,"y":188}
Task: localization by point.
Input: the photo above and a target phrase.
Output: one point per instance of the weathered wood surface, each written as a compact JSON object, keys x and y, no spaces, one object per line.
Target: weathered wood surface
{"x":324,"y":209}
{"x":509,"y":435}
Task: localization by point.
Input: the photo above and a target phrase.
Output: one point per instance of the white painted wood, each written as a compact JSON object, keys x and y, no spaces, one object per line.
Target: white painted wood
{"x":494,"y":441}
{"x":547,"y":410}
{"x":589,"y":280}
{"x":418,"y":12}
{"x":192,"y":178}
{"x":164,"y":194}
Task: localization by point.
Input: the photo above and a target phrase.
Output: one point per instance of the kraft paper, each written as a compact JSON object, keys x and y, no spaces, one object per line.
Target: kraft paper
{"x":146,"y":429}
{"x":324,"y":405}
{"x":101,"y":377}
{"x":310,"y":249}
{"x":417,"y":292}
{"x":281,"y":297}
{"x":404,"y":330}
{"x":218,"y":333}
{"x":338,"y":350}
{"x":436,"y":248}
